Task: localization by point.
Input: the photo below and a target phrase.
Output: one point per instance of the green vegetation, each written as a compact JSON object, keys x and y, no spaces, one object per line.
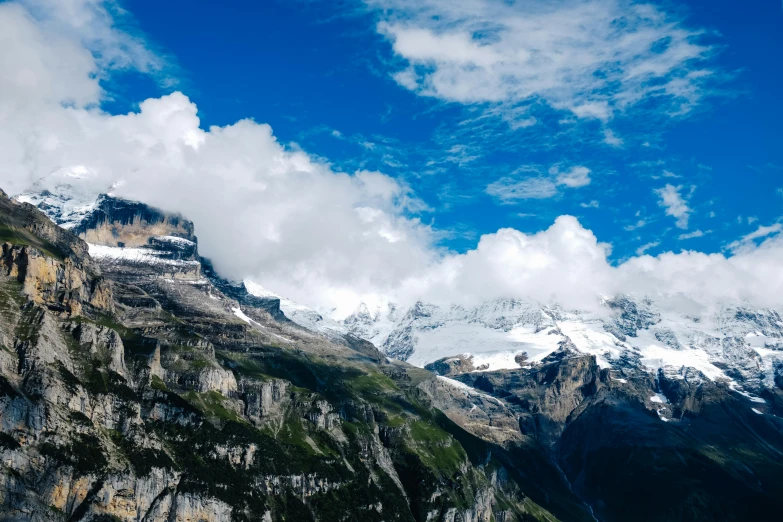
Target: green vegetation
{"x":29,"y":324}
{"x":213,"y":405}
{"x":142,"y":460}
{"x":373,"y":383}
{"x":80,"y":418}
{"x":70,"y":381}
{"x":85,"y":454}
{"x":156,"y":383}
{"x":19,"y":236}
{"x":204,"y":472}
{"x":436,"y":448}
{"x":11,"y":299}
{"x":394,"y":421}
{"x":101,"y":381}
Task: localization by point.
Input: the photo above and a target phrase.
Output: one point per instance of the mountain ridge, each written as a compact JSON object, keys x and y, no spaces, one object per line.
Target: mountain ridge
{"x":192,"y":387}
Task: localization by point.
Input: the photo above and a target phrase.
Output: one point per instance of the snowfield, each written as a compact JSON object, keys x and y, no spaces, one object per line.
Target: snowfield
{"x":634,"y":332}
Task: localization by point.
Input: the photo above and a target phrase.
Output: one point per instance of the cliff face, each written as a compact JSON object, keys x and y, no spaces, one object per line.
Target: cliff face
{"x":64,"y":285}
{"x":137,"y":384}
{"x":128,"y":394}
{"x":120,"y":223}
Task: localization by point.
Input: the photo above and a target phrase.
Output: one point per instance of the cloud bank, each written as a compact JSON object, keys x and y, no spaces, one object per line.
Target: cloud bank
{"x":273,"y":213}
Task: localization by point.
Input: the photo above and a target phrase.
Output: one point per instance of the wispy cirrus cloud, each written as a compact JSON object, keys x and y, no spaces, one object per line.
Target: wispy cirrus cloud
{"x":594,"y":59}
{"x":508,"y":190}
{"x":530,"y":183}
{"x":693,"y":235}
{"x":748,"y":241}
{"x":642,"y":250}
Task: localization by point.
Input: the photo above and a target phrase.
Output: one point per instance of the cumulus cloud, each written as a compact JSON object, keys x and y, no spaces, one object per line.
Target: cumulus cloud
{"x":261,"y":208}
{"x":273,"y":213}
{"x":675,"y":204}
{"x":593,"y":58}
{"x":564,"y":260}
{"x":567,"y":264}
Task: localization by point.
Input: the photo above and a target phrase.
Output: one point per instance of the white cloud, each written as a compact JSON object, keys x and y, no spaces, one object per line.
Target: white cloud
{"x":645,"y":247}
{"x":692,"y":235}
{"x":591,"y":204}
{"x":509,"y":189}
{"x":747,"y":242}
{"x":260,"y":208}
{"x":594,"y":58}
{"x":575,"y":177}
{"x":530,"y":183}
{"x":566,"y":263}
{"x":325,"y":238}
{"x":674,"y":203}
{"x":610,"y":138}
{"x":639,"y":224}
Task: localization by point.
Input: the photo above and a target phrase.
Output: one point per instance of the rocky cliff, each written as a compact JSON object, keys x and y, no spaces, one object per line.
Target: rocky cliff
{"x":136,"y":388}
{"x":138,"y":384}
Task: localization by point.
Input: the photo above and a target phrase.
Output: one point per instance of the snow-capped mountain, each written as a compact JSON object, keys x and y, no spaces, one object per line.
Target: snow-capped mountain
{"x":63,"y":200}
{"x":738,"y":344}
{"x":302,"y":315}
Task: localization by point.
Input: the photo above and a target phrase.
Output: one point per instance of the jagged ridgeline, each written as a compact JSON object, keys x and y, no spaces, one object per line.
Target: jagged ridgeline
{"x":136,"y":384}
{"x":146,"y":388}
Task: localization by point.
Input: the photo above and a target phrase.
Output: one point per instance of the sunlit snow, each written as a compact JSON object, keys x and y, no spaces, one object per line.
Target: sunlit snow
{"x":135,"y":255}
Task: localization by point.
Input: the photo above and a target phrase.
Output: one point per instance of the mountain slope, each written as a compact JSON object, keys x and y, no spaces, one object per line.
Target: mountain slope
{"x":631,"y":412}
{"x":135,"y":388}
{"x":740,"y":345}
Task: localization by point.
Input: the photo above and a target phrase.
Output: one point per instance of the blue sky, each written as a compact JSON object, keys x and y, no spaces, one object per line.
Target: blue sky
{"x":312,"y":69}
{"x":453,"y":151}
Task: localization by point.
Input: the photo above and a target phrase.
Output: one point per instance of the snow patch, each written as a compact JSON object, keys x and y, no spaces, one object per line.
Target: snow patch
{"x":659,"y":398}
{"x":300,"y":314}
{"x":468,"y":390}
{"x":175,"y":239}
{"x":752,"y":398}
{"x":495,"y":349}
{"x":656,"y":356}
{"x":239,"y":313}
{"x":135,"y":255}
